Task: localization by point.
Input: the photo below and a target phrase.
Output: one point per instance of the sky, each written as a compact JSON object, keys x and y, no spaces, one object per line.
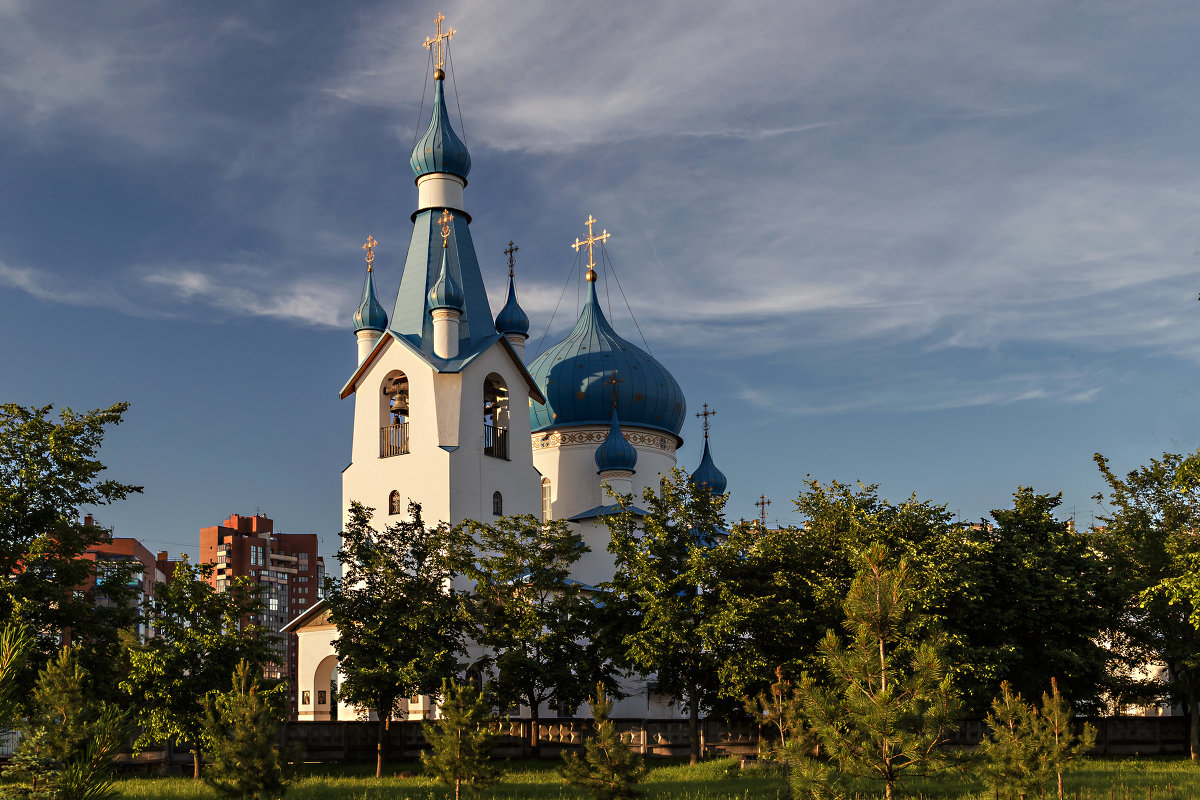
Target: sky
{"x":947,"y":248}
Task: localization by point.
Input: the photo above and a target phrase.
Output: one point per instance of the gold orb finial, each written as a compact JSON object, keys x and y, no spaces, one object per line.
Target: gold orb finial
{"x":445,"y":220}
{"x":432,"y":42}
{"x":369,"y":247}
{"x":590,"y":243}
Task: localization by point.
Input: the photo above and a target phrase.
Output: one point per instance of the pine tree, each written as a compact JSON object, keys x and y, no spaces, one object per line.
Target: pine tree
{"x":69,"y":738}
{"x":15,"y":643}
{"x":890,"y":704}
{"x":240,"y":728}
{"x":791,"y":740}
{"x":609,"y":769}
{"x":462,"y":739}
{"x":1024,"y":747}
{"x":1062,"y":744}
{"x":1009,"y":750}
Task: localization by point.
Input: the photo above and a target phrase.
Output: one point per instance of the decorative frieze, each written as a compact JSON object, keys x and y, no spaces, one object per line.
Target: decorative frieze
{"x":595,"y":436}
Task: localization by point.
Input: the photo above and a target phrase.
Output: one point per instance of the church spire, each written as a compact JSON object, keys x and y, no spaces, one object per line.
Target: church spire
{"x":512,"y":321}
{"x":370,"y":320}
{"x":440,"y":163}
{"x":707,"y":475}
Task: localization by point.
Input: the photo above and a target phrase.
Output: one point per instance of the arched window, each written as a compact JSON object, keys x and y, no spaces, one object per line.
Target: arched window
{"x":393,"y":415}
{"x":545,"y":499}
{"x":495,"y":417}
{"x":394,"y":502}
{"x":497,"y":504}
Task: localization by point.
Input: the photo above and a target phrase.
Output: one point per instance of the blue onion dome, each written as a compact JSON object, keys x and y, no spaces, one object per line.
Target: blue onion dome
{"x":512,"y":319}
{"x":440,"y":149}
{"x":616,"y":452}
{"x":573,"y":376}
{"x":370,"y":315}
{"x":445,"y":292}
{"x":707,"y":475}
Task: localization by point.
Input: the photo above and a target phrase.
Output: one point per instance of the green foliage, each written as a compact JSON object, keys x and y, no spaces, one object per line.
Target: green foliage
{"x":889,"y":703}
{"x":198,"y":633}
{"x":49,"y":472}
{"x":781,"y":590}
{"x":1025,"y":747}
{"x":400,"y":623}
{"x":1148,"y":541}
{"x":69,"y":738}
{"x":531,"y":617}
{"x":790,"y":741}
{"x":664,"y":588}
{"x":461,"y":739}
{"x":240,"y":726}
{"x":609,"y":769}
{"x":1030,"y":579}
{"x":15,"y":643}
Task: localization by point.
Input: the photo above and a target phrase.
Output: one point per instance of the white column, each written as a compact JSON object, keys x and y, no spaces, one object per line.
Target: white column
{"x":620,"y":481}
{"x":366,"y":343}
{"x":445,"y":332}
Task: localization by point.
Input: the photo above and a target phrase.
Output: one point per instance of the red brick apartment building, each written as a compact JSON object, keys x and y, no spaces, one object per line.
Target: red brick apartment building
{"x":286,"y":565}
{"x":122,"y":549}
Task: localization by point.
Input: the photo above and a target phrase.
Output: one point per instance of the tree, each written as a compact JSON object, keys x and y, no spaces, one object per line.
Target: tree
{"x":49,"y":472}
{"x":781,"y":590}
{"x":400,"y":623}
{"x":1035,"y":607}
{"x":890,"y":703}
{"x":15,"y":643}
{"x":462,"y":739}
{"x":199,"y":633}
{"x":1024,"y":747}
{"x":609,"y":769}
{"x":779,"y":709}
{"x":69,"y":739}
{"x":529,"y":614}
{"x":240,"y":726}
{"x":1149,"y":543}
{"x":663,"y":581}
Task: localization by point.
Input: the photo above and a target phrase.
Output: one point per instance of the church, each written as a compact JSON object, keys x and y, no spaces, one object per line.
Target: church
{"x":449,"y":413}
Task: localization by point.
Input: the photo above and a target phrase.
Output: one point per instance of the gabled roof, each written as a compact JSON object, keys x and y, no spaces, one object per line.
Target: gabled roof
{"x":305,"y":617}
{"x":442,"y":364}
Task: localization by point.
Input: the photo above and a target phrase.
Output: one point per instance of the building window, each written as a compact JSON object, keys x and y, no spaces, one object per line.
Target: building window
{"x":497,"y":504}
{"x":495,"y":417}
{"x":545,"y":499}
{"x":394,"y":502}
{"x":393,"y":416}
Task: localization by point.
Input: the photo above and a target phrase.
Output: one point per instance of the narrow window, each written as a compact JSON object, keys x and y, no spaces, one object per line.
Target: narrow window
{"x":393,"y":503}
{"x":497,"y":504}
{"x":545,"y":499}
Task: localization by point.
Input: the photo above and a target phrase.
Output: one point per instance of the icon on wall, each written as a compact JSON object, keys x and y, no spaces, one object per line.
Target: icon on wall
{"x":306,"y":698}
{"x":320,"y":697}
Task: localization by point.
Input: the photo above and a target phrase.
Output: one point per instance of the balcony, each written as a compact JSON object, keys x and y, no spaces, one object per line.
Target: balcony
{"x":393,"y":440}
{"x":495,"y":441}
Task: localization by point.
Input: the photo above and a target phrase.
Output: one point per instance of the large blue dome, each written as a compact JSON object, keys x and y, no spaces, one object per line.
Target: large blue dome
{"x":573,"y":375}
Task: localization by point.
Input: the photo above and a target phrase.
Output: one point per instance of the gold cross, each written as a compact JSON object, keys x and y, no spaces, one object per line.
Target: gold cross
{"x":445,"y":220}
{"x":369,"y":246}
{"x":590,"y":242}
{"x":706,"y":414}
{"x":508,"y":251}
{"x":614,"y":380}
{"x":439,"y":60}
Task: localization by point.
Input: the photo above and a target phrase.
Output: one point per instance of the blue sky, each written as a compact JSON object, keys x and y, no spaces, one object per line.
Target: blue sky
{"x":946,"y":247}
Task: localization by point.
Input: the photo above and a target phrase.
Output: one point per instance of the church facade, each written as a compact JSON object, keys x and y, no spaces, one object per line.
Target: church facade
{"x":449,"y":414}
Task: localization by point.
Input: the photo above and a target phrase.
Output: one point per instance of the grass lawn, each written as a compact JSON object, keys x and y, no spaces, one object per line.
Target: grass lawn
{"x":1143,"y":778}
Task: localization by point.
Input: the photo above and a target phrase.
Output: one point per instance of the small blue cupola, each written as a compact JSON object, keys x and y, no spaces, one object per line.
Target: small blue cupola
{"x":512,"y":318}
{"x":370,"y":315}
{"x":616,"y":453}
{"x":445,"y":292}
{"x":440,"y":149}
{"x":707,"y":475}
